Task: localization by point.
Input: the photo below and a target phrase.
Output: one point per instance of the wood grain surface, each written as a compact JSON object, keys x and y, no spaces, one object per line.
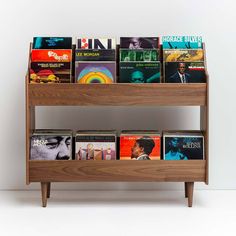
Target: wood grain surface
{"x":128,"y":171}
{"x":117,"y":94}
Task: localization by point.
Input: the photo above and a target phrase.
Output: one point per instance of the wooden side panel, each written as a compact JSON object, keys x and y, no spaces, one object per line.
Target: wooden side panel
{"x":204,"y":125}
{"x":108,"y":171}
{"x":29,"y":126}
{"x":117,"y":94}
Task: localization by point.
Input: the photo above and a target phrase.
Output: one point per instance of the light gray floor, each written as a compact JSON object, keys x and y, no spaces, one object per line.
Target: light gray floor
{"x":120,"y":213}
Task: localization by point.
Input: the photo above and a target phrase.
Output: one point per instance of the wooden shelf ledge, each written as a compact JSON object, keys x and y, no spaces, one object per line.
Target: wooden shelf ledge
{"x":126,"y":171}
{"x":117,"y":94}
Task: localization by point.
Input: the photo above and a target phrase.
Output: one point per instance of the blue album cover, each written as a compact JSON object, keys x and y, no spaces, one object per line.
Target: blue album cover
{"x":52,"y":43}
{"x":140,"y":72}
{"x":181,"y":42}
{"x":180,"y":147}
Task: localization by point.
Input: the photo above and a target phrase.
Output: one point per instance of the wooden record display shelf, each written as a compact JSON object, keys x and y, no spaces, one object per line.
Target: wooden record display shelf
{"x":118,"y":94}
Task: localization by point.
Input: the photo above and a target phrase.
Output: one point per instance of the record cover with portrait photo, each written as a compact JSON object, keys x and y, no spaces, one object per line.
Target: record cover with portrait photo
{"x":139,"y":42}
{"x":184,"y":72}
{"x":183,"y":147}
{"x":140,"y":145}
{"x":139,"y":72}
{"x":51,"y":145}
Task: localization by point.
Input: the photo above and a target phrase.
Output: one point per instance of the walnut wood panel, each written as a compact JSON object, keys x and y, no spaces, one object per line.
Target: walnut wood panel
{"x":128,"y":171}
{"x":204,"y":125}
{"x":117,"y":94}
{"x":30,"y":125}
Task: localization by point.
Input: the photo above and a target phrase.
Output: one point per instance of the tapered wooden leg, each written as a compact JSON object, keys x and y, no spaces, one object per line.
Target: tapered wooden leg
{"x":185,"y":190}
{"x":48,"y":189}
{"x":44,"y":188}
{"x":190,"y":193}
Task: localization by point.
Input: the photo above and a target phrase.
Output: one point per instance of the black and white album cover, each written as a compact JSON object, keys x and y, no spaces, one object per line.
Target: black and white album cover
{"x":51,"y":146}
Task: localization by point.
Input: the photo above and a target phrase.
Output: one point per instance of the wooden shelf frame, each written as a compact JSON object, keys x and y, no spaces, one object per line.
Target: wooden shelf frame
{"x":108,"y":171}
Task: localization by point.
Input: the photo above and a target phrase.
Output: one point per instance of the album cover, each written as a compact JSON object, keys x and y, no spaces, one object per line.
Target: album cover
{"x":51,"y":145}
{"x":139,"y":72}
{"x":95,"y":43}
{"x":52,"y":43}
{"x":50,"y":72}
{"x":95,"y":55}
{"x":139,"y":42}
{"x":181,"y":42}
{"x":187,"y":55}
{"x":184,"y":72}
{"x":140,"y":145}
{"x":146,"y":55}
{"x":95,"y":72}
{"x":95,"y":146}
{"x":183,"y":147}
{"x":43,"y":55}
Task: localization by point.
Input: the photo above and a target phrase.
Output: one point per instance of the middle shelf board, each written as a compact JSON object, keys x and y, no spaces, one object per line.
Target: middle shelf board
{"x":126,"y":171}
{"x":117,"y":94}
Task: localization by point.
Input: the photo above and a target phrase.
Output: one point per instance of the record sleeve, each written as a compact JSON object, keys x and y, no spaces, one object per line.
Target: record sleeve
{"x":51,"y":72}
{"x":51,"y":146}
{"x":140,"y":146}
{"x":44,"y":55}
{"x":95,"y":43}
{"x":139,"y":72}
{"x":139,"y":42}
{"x":187,"y":55}
{"x":95,"y":72}
{"x":184,"y":72}
{"x":52,"y":43}
{"x":181,"y":42}
{"x":97,"y":146}
{"x":95,"y":55}
{"x":144,"y":55}
{"x":183,"y":147}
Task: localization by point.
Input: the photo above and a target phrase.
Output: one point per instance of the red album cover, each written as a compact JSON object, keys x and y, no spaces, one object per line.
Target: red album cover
{"x":139,"y":147}
{"x":44,"y":55}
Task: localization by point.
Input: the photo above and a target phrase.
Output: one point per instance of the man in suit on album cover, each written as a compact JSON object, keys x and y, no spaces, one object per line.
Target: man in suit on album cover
{"x":142,"y":148}
{"x":180,"y":76}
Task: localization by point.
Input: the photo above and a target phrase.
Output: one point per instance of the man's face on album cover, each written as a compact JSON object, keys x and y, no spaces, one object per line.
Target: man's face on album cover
{"x":134,"y":43}
{"x":136,"y":151}
{"x":181,"y":68}
{"x":55,"y":148}
{"x":174,"y":143}
{"x":137,"y":77}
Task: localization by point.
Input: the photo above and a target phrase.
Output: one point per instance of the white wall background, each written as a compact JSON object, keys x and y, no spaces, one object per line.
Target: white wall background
{"x":213,"y":19}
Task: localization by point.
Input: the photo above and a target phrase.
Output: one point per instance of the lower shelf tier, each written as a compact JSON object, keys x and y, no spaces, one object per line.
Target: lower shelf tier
{"x":117,"y":171}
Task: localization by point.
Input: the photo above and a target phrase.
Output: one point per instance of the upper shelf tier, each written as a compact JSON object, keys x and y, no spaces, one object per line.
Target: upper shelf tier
{"x":117,"y":94}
